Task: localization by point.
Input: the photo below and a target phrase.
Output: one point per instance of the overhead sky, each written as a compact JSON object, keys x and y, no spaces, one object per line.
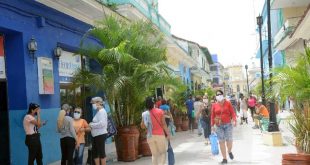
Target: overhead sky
{"x":226,"y":27}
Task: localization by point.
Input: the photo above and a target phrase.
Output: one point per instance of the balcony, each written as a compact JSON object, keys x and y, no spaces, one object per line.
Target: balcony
{"x":140,"y":9}
{"x":279,"y":4}
{"x":282,"y":39}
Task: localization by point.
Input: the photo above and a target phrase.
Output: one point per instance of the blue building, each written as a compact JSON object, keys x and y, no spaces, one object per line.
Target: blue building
{"x":217,"y":71}
{"x":30,"y":75}
{"x":278,"y":56}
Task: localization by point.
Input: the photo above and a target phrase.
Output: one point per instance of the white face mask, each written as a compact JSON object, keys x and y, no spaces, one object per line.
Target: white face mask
{"x":219,"y":98}
{"x":77,"y":115}
{"x":95,"y":106}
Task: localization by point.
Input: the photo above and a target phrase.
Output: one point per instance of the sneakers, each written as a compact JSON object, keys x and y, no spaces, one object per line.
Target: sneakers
{"x":224,"y":161}
{"x":231,"y":156}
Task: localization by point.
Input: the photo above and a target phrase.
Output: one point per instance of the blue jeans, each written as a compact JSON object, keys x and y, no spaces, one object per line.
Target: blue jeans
{"x":78,"y":154}
{"x":224,"y":132}
{"x":206,"y":125}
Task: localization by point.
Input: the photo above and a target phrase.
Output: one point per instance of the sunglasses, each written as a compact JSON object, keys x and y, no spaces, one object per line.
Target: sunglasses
{"x":219,"y":94}
{"x":77,"y":112}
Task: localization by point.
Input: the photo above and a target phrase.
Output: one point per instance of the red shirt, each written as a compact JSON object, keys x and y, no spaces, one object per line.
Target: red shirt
{"x":157,"y":128}
{"x":226,"y":112}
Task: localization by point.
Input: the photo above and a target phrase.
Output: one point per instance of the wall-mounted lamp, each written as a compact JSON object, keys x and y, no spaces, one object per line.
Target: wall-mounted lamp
{"x":32,"y":48}
{"x":57,"y":51}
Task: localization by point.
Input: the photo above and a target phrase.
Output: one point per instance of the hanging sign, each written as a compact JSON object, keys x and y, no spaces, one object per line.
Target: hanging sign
{"x":45,"y":74}
{"x":69,"y":63}
{"x":2,"y":60}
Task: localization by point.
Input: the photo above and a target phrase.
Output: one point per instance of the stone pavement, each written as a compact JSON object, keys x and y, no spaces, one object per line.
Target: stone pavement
{"x":248,"y":148}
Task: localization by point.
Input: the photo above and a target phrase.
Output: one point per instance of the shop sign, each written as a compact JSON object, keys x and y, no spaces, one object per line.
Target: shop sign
{"x":2,"y":61}
{"x":69,"y":63}
{"x":45,"y":75}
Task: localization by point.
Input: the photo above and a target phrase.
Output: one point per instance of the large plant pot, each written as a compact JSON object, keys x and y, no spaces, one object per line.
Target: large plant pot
{"x":178,"y":123}
{"x":127,"y":143}
{"x":293,"y":159}
{"x":185,"y":125}
{"x":144,"y":148}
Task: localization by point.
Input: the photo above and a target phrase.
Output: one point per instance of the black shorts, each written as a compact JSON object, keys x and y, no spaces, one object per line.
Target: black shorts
{"x":99,"y":146}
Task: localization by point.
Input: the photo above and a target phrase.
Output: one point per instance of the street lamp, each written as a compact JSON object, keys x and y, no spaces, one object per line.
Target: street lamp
{"x":259,"y":20}
{"x":247,"y":79}
{"x":273,"y":126}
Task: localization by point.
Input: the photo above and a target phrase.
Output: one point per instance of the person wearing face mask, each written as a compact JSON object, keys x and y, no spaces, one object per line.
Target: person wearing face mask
{"x":68,"y":138}
{"x":80,"y":126}
{"x":32,"y":123}
{"x":99,"y":131}
{"x":222,"y":112}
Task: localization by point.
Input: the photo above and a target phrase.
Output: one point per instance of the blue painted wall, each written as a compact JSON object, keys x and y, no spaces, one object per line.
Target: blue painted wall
{"x":21,"y":20}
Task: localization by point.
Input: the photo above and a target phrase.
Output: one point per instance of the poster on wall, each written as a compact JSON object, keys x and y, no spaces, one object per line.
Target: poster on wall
{"x":45,"y":75}
{"x":2,"y":60}
{"x":69,"y":63}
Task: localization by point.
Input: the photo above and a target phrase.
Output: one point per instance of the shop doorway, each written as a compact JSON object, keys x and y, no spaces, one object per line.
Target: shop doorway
{"x":4,"y":122}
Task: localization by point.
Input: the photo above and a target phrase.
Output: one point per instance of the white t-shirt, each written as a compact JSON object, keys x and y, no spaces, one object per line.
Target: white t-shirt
{"x":100,"y":123}
{"x":28,"y":126}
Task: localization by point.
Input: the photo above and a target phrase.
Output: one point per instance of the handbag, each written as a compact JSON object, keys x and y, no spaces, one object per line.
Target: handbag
{"x":218,"y":119}
{"x":171,"y":160}
{"x":214,"y":144}
{"x":111,"y":128}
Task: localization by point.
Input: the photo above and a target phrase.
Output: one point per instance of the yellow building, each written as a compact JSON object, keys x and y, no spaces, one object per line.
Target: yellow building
{"x":235,"y":80}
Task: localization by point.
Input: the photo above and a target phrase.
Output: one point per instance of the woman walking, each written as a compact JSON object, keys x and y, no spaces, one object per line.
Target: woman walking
{"x":32,"y":123}
{"x":154,"y":120}
{"x":80,"y":126}
{"x":99,"y":131}
{"x":198,"y":107}
{"x":205,"y":119}
{"x":243,"y":109}
{"x":222,"y":112}
{"x":68,"y":138}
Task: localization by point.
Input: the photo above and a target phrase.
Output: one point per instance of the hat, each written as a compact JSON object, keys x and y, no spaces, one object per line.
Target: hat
{"x":96,"y":100}
{"x":33,"y":106}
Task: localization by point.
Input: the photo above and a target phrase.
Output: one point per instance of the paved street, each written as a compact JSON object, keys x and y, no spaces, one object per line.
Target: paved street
{"x":248,"y":149}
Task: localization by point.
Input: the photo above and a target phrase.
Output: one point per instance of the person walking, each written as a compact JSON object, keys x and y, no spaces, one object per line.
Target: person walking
{"x":99,"y":131}
{"x":80,"y":126}
{"x":68,"y":138}
{"x":32,"y":123}
{"x":157,"y":132}
{"x":205,"y":119}
{"x":198,"y":107}
{"x":222,"y":112}
{"x":190,"y":107}
{"x":168,"y":116}
{"x":251,"y":104}
{"x":243,"y":109}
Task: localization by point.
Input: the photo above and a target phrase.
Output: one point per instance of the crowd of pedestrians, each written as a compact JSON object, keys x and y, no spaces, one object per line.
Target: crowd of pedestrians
{"x":71,"y":128}
{"x":216,"y":115}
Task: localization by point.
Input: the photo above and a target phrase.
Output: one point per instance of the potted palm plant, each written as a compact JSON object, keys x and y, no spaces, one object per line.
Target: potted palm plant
{"x":294,"y":81}
{"x":132,"y":63}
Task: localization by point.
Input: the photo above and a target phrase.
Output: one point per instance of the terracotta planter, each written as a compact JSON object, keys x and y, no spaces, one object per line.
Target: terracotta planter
{"x":293,"y":159}
{"x":178,"y":123}
{"x":185,"y":125}
{"x":144,"y":148}
{"x":127,"y":143}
